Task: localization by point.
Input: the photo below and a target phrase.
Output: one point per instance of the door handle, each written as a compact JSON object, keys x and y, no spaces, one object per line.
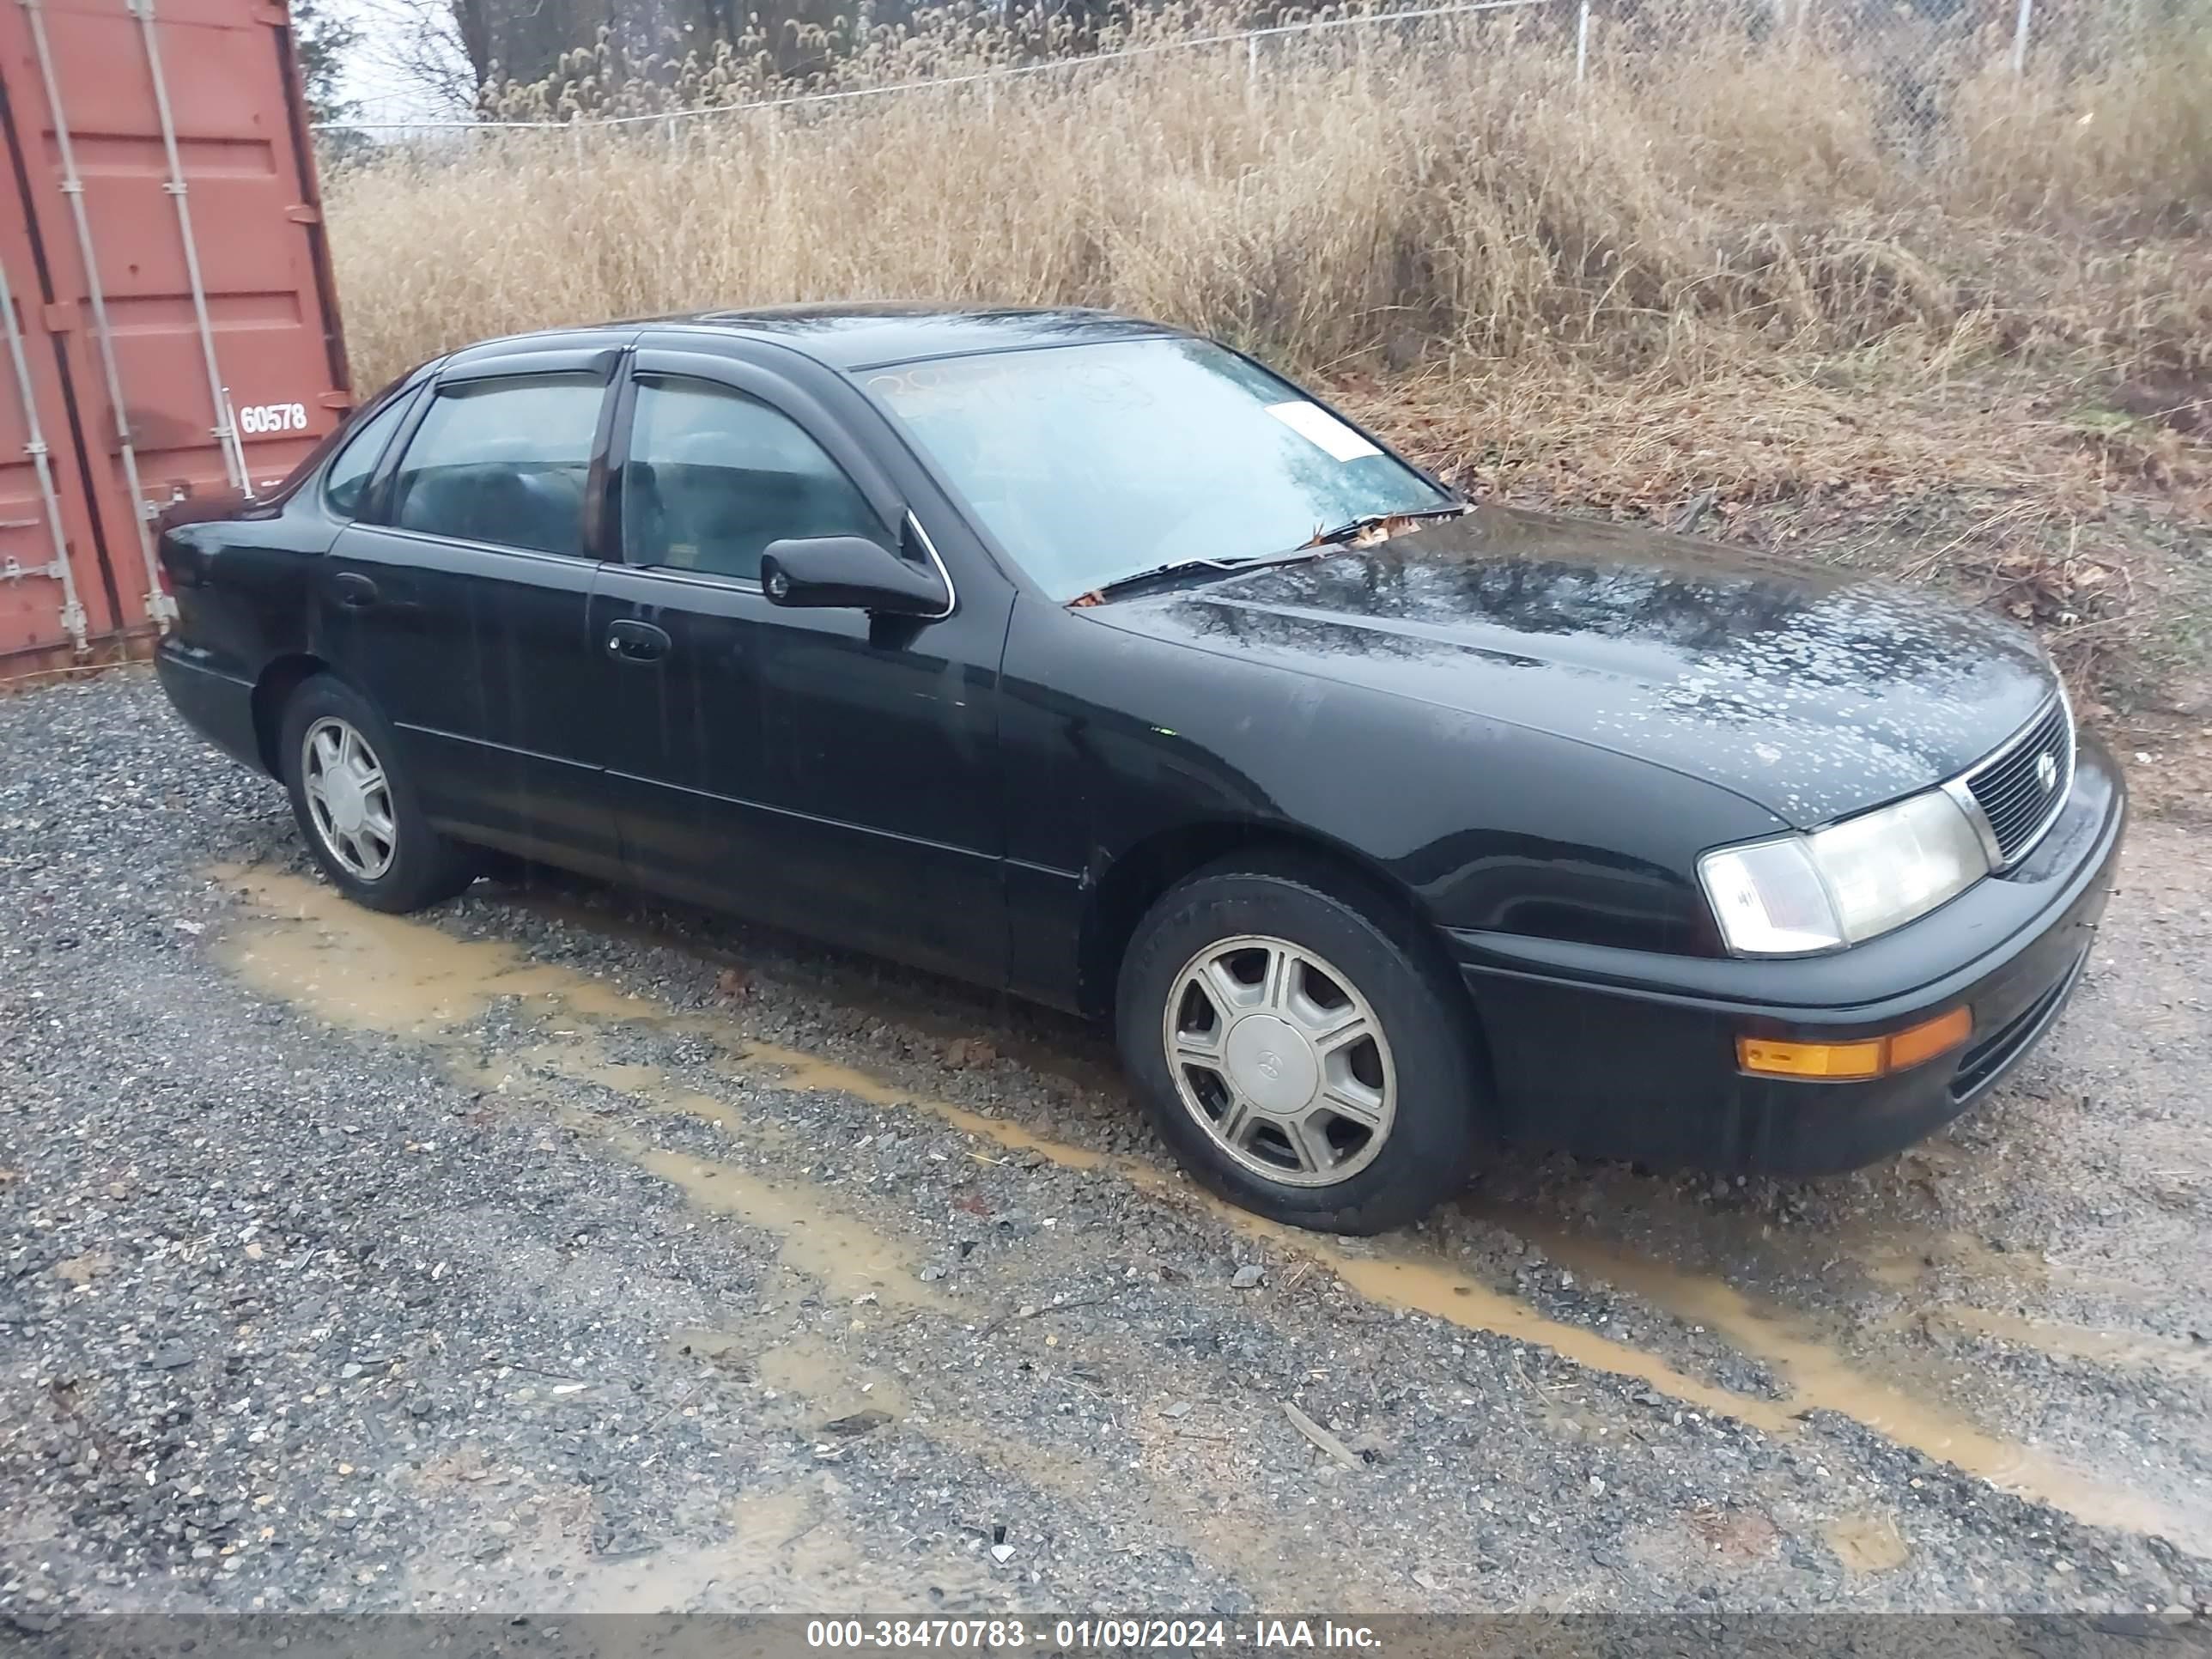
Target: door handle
{"x":356,"y":591}
{"x":631,"y":641}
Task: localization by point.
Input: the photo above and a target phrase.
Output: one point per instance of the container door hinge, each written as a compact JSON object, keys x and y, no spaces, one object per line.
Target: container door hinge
{"x":61,"y":317}
{"x":276,"y":17}
{"x":304,"y":213}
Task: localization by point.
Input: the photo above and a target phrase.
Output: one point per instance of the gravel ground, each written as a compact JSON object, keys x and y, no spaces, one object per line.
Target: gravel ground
{"x":557,"y":1251}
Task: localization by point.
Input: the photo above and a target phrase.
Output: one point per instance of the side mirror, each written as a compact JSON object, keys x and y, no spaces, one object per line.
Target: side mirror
{"x":850,"y":573}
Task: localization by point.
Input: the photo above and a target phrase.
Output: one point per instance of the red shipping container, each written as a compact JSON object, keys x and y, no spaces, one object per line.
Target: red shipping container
{"x":172,"y":328}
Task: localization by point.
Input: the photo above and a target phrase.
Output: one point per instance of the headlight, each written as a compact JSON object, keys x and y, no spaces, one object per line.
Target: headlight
{"x":1799,"y":894}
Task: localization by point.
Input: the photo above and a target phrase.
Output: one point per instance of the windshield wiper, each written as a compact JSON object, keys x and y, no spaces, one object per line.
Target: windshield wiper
{"x":1312,"y":550}
{"x":1351,"y":528}
{"x":1188,"y":567}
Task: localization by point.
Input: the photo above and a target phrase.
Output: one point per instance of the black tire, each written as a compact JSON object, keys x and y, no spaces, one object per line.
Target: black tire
{"x":1441,"y":1108}
{"x":425,"y":867}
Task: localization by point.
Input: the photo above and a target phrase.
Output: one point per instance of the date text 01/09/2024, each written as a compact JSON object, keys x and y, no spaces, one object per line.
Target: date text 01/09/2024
{"x":1089,"y":1635}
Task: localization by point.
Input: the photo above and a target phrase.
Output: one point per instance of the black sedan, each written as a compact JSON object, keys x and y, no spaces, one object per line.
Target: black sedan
{"x":1078,"y":657}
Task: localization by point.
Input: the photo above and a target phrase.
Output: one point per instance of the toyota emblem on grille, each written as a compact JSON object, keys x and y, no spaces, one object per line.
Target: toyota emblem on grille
{"x":2046,"y":772}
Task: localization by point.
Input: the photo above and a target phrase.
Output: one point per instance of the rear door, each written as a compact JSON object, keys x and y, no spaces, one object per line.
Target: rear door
{"x":817,"y":769}
{"x":459,"y":602}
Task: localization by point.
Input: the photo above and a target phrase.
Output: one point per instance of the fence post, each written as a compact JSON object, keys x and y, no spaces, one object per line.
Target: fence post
{"x":1582,"y":41}
{"x":2020,"y":38}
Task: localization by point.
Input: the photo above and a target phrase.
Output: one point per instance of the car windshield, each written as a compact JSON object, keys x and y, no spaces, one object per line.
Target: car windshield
{"x":1092,"y":463}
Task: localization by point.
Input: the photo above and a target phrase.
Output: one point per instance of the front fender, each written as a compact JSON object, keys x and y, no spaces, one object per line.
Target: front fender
{"x":1114,"y":740}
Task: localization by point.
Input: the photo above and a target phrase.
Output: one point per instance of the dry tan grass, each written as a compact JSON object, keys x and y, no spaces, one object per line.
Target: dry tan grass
{"x":1372,"y":196}
{"x":1722,"y":265}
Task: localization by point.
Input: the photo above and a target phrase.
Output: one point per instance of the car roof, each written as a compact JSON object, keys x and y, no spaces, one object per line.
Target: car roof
{"x":859,"y":335}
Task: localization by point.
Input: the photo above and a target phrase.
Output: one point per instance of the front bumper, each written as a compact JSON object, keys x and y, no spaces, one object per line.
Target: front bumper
{"x":1627,"y":1054}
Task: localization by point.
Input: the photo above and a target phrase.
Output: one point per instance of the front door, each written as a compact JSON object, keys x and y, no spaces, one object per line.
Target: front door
{"x":459,"y":603}
{"x":831,"y":772}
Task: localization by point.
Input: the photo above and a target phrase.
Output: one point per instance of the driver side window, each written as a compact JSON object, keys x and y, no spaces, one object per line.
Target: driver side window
{"x":713,"y":477}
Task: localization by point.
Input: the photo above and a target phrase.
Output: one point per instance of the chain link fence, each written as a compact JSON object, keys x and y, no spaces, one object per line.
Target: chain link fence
{"x":1948,"y":39}
{"x":1920,"y":50}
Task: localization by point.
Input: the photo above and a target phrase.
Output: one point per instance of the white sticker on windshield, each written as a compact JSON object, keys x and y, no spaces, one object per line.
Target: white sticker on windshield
{"x":1316,"y":425}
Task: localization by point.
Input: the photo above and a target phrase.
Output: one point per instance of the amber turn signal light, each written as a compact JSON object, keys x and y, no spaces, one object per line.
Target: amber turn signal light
{"x":1931,"y":1037}
{"x":1861,"y":1057}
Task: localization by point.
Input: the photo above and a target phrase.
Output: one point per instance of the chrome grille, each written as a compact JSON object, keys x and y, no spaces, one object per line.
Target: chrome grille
{"x":2020,"y":789}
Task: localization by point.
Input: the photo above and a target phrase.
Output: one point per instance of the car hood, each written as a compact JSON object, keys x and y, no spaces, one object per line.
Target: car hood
{"x":1814,"y":692}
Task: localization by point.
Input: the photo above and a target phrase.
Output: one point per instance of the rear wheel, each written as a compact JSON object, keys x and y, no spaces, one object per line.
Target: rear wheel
{"x":358,"y":808}
{"x":1299,"y":1049}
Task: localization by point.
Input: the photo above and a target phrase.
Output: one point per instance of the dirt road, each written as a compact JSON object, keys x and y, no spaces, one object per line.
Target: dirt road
{"x":555,"y":1250}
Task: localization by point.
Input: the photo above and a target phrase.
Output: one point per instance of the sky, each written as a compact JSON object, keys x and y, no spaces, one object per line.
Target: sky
{"x":384,"y":92}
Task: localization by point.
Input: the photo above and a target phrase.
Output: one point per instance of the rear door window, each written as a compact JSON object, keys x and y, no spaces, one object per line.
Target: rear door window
{"x":713,"y":477}
{"x":505,"y":462}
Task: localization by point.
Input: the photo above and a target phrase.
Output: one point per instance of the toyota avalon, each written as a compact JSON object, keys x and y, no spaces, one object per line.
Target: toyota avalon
{"x":1086,"y":660}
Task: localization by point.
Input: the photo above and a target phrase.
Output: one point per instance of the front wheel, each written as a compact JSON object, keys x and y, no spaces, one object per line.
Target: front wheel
{"x":1299,"y":1051}
{"x":357,"y":807}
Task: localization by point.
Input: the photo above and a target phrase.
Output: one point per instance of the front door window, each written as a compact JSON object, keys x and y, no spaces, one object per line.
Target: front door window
{"x":713,"y":477}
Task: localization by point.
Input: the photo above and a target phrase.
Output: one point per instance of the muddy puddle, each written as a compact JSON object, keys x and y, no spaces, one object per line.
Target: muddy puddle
{"x":1820,"y":1377}
{"x":1056,"y":1049}
{"x":1866,"y":1544}
{"x":806,"y":1380}
{"x":305,"y":944}
{"x":2110,"y":1350}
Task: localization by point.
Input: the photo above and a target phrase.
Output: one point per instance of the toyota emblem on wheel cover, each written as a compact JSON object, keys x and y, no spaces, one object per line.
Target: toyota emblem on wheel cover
{"x":2046,"y":772}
